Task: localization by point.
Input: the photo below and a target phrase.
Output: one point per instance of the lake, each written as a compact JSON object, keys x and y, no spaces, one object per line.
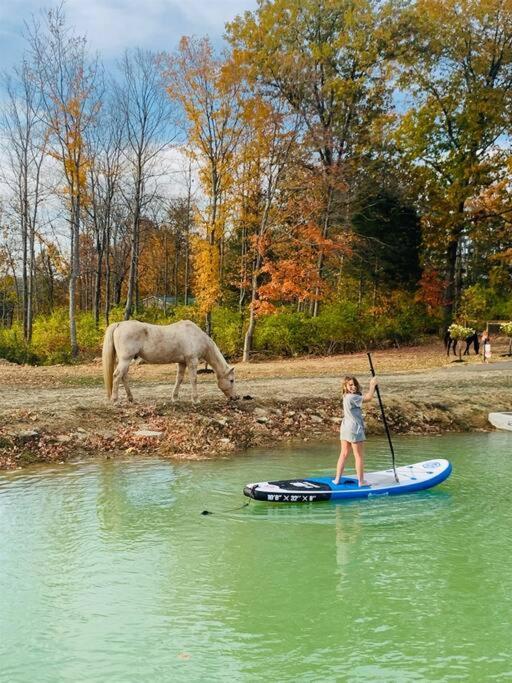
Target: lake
{"x":109,"y":572}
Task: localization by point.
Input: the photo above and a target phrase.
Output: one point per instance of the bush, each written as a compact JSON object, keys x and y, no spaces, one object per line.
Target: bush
{"x":227,"y":331}
{"x":13,"y":347}
{"x":283,"y":333}
{"x":89,"y":337}
{"x":50,"y":338}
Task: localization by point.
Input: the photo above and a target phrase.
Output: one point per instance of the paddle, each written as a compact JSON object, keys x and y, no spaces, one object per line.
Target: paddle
{"x":384,"y":420}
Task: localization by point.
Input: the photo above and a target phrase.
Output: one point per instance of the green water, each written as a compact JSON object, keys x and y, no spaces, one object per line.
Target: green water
{"x":108,"y":572}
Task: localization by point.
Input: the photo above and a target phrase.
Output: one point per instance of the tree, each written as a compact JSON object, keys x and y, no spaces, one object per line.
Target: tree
{"x":456,"y":58}
{"x":25,"y":139}
{"x":210,"y":92}
{"x":105,"y":150}
{"x":325,"y":60}
{"x":266,"y":152}
{"x":146,"y":110}
{"x":390,"y":241}
{"x":69,"y":104}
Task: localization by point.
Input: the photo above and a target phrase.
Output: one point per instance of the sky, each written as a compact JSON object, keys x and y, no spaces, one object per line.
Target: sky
{"x":113,"y":25}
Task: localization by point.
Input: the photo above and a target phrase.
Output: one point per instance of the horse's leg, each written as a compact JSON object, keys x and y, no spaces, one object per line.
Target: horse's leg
{"x":192,"y":372}
{"x":179,"y":379}
{"x":120,"y":375}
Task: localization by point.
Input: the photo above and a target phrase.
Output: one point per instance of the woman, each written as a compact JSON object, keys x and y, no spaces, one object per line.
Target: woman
{"x":352,"y":430}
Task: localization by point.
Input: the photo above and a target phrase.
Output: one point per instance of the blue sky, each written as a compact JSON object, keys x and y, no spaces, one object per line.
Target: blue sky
{"x":113,"y":25}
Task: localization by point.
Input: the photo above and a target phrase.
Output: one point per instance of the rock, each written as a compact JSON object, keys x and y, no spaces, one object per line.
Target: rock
{"x":262,"y":419}
{"x":335,"y":420}
{"x":149,"y":434}
{"x":26,"y":436}
{"x":63,"y":438}
{"x":225,"y":440}
{"x":79,"y":436}
{"x":260,"y":412}
{"x":315,"y":418}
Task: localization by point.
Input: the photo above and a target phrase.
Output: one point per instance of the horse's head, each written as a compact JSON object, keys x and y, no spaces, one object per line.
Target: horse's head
{"x":226,"y":383}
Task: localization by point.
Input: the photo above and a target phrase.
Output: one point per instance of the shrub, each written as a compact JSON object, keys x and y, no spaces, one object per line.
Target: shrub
{"x":89,"y":337}
{"x":13,"y":347}
{"x":283,"y":333}
{"x":227,"y":331}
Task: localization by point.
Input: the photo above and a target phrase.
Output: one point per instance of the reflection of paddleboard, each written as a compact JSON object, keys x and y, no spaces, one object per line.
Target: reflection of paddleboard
{"x":422,"y":475}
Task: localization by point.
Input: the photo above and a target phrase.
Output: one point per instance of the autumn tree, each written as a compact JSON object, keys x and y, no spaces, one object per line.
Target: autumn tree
{"x":210,"y":93}
{"x":266,"y":151}
{"x":290,"y":258}
{"x":456,"y":58}
{"x":147,"y":115}
{"x":325,"y":60}
{"x":69,"y":103}
{"x":105,"y":174}
{"x":24,"y":135}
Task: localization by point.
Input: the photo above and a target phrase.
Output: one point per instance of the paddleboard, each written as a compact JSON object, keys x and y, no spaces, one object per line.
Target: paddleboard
{"x":421,"y":475}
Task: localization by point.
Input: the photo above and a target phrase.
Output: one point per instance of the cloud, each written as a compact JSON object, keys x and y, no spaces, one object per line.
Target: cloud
{"x":113,"y":25}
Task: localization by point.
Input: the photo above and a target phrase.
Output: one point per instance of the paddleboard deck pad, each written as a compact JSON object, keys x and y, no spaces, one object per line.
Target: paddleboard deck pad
{"x":421,"y":475}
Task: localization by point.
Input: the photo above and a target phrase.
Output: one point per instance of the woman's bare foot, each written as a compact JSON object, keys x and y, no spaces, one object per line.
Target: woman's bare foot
{"x":336,"y":482}
{"x":364,"y":483}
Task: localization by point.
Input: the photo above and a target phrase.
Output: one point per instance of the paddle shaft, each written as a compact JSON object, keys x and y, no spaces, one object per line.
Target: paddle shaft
{"x":384,"y":420}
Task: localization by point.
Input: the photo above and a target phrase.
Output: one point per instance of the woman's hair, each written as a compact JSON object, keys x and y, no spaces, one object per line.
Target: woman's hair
{"x":348,"y":379}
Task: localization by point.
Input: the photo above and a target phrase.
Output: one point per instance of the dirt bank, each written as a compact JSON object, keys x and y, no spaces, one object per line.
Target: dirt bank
{"x":58,"y":413}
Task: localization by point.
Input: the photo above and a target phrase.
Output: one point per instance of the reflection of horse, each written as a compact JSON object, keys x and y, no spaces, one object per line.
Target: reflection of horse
{"x":450,"y":343}
{"x":183,"y":343}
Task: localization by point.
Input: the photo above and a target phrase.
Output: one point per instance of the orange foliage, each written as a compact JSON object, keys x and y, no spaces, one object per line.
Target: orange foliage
{"x":432,"y":288}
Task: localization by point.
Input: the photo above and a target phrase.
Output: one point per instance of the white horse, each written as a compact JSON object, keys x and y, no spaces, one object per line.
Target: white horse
{"x":183,"y":343}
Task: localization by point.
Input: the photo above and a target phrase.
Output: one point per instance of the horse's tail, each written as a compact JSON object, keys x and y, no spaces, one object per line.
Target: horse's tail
{"x":108,"y":357}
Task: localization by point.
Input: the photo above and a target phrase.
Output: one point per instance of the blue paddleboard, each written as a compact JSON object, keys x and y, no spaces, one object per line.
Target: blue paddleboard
{"x":421,"y":475}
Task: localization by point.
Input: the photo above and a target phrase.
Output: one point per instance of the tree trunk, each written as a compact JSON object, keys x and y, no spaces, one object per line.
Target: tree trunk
{"x":130,"y":296}
{"x":107,"y":276}
{"x":321,"y":258}
{"x":249,"y":335}
{"x":449,"y":292}
{"x":73,"y":276}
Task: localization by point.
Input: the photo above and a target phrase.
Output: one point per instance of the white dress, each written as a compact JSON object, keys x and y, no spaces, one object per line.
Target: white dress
{"x":352,"y":425}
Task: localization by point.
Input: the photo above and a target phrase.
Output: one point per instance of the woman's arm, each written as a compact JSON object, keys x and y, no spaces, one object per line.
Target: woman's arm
{"x":371,"y":391}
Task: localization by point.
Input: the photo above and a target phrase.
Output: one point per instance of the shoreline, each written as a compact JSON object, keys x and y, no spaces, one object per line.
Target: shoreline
{"x":209,"y":432}
{"x":59,"y":420}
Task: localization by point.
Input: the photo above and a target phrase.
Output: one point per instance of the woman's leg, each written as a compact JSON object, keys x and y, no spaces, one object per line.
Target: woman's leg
{"x":358,"y":448}
{"x":345,"y":450}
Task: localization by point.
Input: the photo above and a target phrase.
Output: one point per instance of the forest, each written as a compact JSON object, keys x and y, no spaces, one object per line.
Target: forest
{"x":335,"y":177}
